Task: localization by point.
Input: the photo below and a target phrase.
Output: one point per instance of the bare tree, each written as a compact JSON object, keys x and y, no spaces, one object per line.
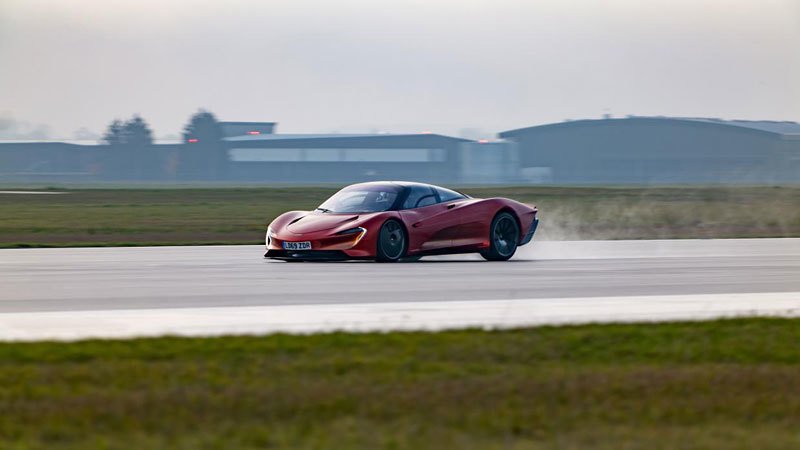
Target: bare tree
{"x":137,"y":132}
{"x":134,"y":132}
{"x":114,"y":133}
{"x":203,"y":128}
{"x":204,"y":156}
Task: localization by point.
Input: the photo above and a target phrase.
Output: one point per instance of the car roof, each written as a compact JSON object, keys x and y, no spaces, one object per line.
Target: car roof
{"x":404,"y":184}
{"x":396,"y":183}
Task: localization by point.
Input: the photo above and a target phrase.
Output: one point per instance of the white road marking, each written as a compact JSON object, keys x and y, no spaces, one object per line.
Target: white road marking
{"x":210,"y":321}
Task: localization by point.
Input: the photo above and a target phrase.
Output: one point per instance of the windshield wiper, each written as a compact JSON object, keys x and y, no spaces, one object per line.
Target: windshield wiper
{"x":324,"y":210}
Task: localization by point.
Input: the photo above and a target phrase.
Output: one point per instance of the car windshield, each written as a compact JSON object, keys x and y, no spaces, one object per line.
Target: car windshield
{"x":361,"y":199}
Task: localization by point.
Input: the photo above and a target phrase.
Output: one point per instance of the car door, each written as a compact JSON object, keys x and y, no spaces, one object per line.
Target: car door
{"x":431,"y":224}
{"x":459,"y":217}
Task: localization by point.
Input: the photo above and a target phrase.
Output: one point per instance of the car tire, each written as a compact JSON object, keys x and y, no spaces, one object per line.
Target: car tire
{"x":503,"y":238}
{"x":392,"y":242}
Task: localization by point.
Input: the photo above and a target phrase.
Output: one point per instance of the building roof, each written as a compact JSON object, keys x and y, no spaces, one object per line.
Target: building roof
{"x":226,"y":122}
{"x":781,"y":128}
{"x":770,"y":126}
{"x":279,"y":137}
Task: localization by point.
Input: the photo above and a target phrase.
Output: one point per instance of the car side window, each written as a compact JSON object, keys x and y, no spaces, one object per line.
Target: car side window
{"x":419,"y":196}
{"x":446,"y":195}
{"x":426,"y":200}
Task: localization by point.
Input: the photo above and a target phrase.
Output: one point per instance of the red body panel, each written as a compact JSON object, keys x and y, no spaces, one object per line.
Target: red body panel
{"x":430,"y":227}
{"x":459,"y":226}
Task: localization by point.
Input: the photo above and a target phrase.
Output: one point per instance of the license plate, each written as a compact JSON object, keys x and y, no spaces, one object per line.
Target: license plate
{"x":306,"y":245}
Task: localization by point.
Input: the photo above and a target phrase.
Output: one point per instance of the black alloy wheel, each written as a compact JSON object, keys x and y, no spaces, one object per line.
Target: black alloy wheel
{"x":503,"y":238}
{"x":391,"y":242}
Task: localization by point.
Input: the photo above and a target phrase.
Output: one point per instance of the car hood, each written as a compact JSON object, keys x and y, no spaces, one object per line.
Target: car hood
{"x":313,"y":222}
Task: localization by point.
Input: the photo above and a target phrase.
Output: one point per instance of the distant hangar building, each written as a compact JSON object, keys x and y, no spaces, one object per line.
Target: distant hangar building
{"x":347,"y":158}
{"x":659,"y":150}
{"x":230,"y":129}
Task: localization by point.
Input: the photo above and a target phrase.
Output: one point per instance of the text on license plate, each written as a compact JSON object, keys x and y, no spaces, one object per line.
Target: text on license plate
{"x":306,"y":245}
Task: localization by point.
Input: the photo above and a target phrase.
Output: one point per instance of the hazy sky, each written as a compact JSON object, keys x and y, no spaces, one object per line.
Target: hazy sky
{"x":401,"y":66}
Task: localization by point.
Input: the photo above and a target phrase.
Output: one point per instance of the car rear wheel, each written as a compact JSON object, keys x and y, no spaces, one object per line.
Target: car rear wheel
{"x":391,"y":242}
{"x":503,"y":238}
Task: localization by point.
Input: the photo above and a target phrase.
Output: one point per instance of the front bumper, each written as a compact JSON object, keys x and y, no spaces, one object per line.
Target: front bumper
{"x":307,"y":255}
{"x":529,"y":235}
{"x":324,"y":246}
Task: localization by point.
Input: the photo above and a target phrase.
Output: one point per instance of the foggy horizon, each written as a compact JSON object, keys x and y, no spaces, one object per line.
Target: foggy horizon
{"x":450,"y":67}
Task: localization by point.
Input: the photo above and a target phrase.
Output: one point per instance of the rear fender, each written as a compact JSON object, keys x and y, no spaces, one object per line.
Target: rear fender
{"x":523,"y":214}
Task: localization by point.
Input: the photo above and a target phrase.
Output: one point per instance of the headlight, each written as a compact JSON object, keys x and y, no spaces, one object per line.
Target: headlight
{"x":358,"y":233}
{"x":270,"y":233}
{"x":352,"y":231}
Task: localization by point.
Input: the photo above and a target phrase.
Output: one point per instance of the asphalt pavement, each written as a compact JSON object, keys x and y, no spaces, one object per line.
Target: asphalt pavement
{"x":172,"y":277}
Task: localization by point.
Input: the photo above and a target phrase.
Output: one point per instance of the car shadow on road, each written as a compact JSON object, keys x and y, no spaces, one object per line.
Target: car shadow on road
{"x":423,"y":261}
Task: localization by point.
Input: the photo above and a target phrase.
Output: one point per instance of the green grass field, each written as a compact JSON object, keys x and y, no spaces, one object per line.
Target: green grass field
{"x":732,"y":384}
{"x":239,"y":215}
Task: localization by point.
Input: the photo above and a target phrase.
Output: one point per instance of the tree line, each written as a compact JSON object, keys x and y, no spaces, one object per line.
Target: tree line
{"x":203,"y":127}
{"x":132,"y":155}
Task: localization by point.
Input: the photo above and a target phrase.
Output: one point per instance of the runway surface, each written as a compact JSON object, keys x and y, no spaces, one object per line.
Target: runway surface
{"x":83,"y":292}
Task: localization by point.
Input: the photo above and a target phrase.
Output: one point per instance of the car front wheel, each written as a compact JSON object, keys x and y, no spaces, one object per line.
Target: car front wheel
{"x":391,"y":242}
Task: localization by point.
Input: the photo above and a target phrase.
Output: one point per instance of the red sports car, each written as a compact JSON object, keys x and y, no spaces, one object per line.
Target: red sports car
{"x":391,"y":221}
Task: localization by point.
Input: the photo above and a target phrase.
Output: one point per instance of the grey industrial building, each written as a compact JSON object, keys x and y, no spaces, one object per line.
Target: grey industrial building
{"x":659,"y":150}
{"x":230,"y":129}
{"x":344,"y":158}
{"x":633,"y":150}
